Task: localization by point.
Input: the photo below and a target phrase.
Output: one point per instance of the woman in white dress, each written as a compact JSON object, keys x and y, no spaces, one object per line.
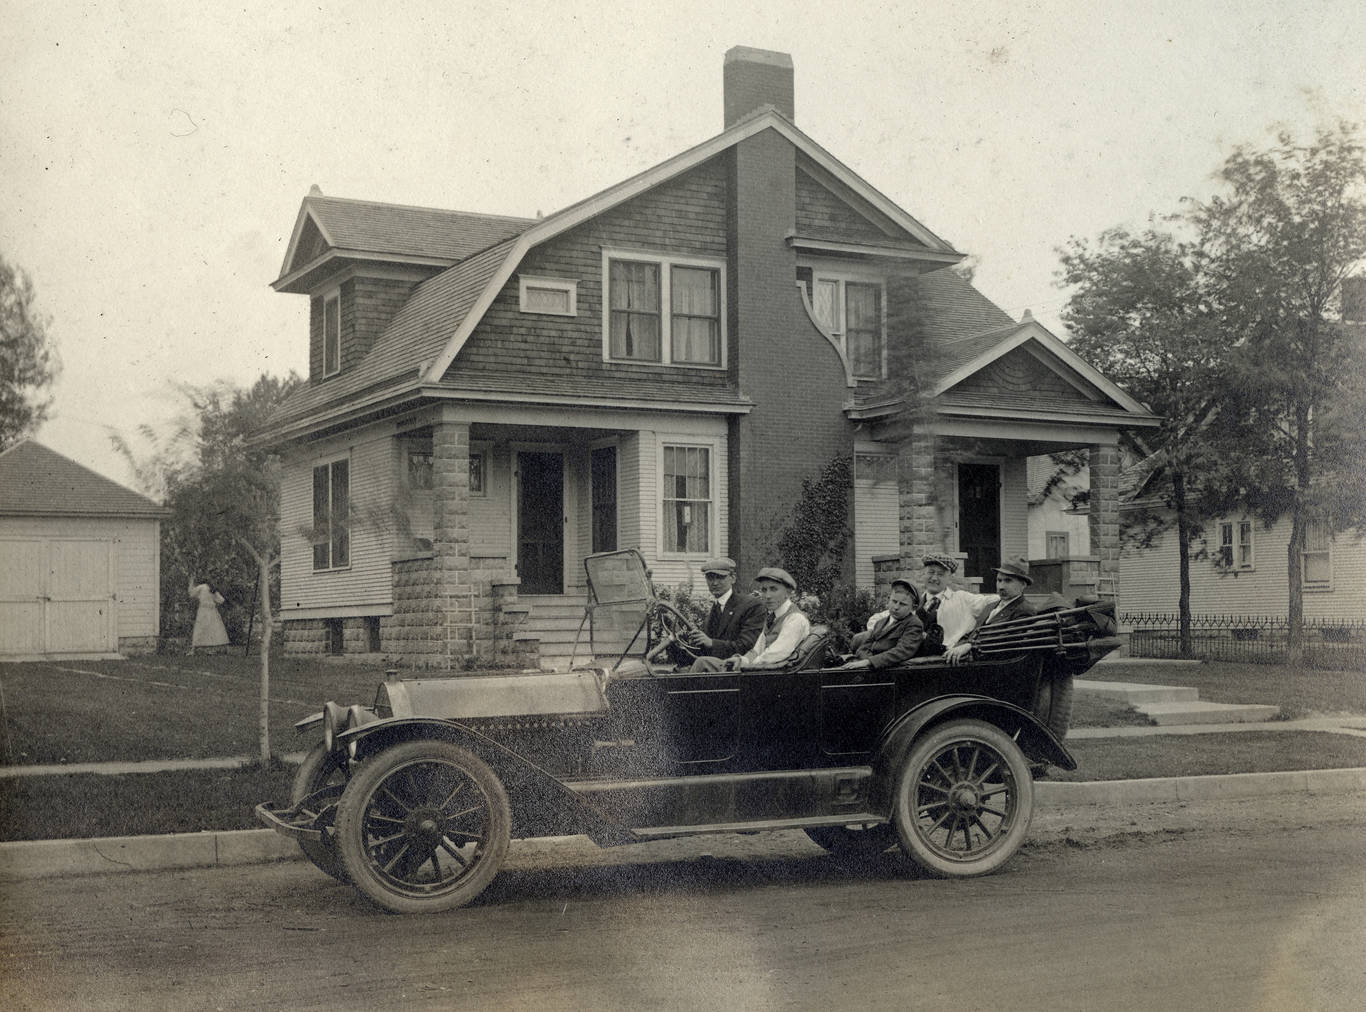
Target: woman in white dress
{"x":208,"y":626}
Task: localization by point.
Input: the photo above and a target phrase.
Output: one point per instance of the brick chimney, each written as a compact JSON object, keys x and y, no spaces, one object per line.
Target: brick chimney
{"x":754,"y":78}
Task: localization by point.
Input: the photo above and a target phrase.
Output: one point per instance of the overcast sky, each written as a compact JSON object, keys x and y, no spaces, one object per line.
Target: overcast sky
{"x":154,"y":154}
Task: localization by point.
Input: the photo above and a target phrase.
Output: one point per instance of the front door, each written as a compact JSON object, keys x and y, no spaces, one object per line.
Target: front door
{"x":979,"y":521}
{"x":540,"y":522}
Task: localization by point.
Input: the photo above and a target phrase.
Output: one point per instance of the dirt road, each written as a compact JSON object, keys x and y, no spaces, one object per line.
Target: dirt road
{"x":1235,"y":905}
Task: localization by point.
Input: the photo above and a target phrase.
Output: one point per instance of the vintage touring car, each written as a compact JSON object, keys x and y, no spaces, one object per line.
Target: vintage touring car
{"x":414,"y":799}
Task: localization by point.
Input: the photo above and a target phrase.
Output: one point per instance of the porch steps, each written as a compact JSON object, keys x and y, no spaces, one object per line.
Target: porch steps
{"x":554,"y":622}
{"x":1169,"y":705}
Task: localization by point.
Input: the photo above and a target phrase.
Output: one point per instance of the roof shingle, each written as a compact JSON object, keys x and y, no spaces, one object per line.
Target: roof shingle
{"x":36,"y":481}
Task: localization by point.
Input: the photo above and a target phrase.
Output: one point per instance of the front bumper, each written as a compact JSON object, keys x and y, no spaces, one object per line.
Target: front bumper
{"x":310,"y":819}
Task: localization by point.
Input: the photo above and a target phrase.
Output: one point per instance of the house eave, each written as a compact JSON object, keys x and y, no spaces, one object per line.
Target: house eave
{"x":883,"y":410}
{"x":740,"y":407}
{"x":303,"y":280}
{"x":873,"y":250}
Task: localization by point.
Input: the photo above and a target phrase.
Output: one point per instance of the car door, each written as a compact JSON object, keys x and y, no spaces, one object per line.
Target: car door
{"x":855,"y":705}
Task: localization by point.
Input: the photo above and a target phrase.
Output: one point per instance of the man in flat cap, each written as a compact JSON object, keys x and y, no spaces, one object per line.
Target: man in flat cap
{"x":735,"y":620}
{"x":948,"y":613}
{"x":897,"y":635}
{"x":784,"y":627}
{"x":1012,"y":577}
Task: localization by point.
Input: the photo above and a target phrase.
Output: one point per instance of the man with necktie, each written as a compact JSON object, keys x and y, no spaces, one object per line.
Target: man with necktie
{"x":735,"y":620}
{"x":896,"y":637}
{"x":1012,"y":577}
{"x":784,"y":627}
{"x":947,"y":613}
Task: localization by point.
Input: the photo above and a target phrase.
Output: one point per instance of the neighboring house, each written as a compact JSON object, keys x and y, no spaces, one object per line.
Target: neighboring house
{"x":491,"y":399}
{"x":80,"y":559}
{"x":1238,"y":564}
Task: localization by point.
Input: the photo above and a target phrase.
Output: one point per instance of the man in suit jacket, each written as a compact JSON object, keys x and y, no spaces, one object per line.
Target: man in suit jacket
{"x":1012,"y":577}
{"x":895,"y":637}
{"x":735,"y":620}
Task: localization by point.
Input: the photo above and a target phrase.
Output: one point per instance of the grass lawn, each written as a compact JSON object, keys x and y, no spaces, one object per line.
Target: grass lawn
{"x":1298,"y":692}
{"x":91,"y":804}
{"x":1193,"y":755}
{"x":1090,"y":710}
{"x":164,"y":707}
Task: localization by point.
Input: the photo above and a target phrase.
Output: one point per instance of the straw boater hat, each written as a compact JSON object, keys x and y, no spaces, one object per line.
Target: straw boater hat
{"x":1016,"y":567}
{"x":946,"y":562}
{"x":718,"y":566}
{"x":777,"y":576}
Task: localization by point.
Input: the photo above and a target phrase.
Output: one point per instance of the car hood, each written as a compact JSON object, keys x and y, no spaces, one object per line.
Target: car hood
{"x":471,"y":697}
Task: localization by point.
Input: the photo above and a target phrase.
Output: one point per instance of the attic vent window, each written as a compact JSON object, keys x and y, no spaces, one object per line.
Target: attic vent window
{"x":332,"y":333}
{"x":549,"y":296}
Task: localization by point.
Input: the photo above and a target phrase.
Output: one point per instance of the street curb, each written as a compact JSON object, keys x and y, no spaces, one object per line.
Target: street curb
{"x":31,"y":859}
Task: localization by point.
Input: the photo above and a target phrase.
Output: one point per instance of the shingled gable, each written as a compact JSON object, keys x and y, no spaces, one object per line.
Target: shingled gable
{"x":420,"y":343}
{"x":36,"y":481}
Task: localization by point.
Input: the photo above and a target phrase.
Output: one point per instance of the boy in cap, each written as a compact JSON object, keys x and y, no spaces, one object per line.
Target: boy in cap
{"x":1012,"y":577}
{"x":735,"y":620}
{"x":897,"y":635}
{"x":784,"y":627}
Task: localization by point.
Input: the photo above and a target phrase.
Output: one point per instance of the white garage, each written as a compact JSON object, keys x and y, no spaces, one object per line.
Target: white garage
{"x":80,"y":559}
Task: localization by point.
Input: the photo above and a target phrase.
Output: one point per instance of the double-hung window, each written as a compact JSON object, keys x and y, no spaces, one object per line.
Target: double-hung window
{"x":1235,"y":544}
{"x":851,"y":311}
{"x":331,"y":333}
{"x":331,"y":505}
{"x":687,"y":500}
{"x":1317,"y":571}
{"x":664,"y":310}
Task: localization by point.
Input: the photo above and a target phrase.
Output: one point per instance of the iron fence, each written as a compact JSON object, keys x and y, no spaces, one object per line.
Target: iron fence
{"x":1335,"y":644}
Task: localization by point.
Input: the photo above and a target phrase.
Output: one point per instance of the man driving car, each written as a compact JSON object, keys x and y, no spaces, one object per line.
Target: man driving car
{"x":735,"y":620}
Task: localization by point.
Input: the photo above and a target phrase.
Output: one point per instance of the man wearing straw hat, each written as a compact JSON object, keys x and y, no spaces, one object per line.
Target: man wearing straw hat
{"x":1012,"y":577}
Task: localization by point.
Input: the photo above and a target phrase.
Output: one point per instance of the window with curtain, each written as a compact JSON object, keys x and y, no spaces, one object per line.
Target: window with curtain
{"x":851,"y":311}
{"x":635,"y":311}
{"x":695,"y":325}
{"x":1317,"y":571}
{"x":1235,"y":544}
{"x":331,"y":504}
{"x":687,"y":499}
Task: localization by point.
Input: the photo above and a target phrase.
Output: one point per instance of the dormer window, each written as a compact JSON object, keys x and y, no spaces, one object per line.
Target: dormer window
{"x":332,"y":333}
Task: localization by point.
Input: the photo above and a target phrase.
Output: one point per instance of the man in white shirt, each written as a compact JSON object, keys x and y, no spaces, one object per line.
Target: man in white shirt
{"x":954,"y":611}
{"x":784,"y":627}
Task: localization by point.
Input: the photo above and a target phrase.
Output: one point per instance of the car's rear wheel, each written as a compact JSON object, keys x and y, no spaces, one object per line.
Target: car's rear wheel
{"x":423,"y":826}
{"x":320,"y":769}
{"x":855,"y":842}
{"x":964,"y":799}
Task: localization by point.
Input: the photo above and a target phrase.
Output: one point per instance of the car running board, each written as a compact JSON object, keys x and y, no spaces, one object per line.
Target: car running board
{"x":760,"y":826}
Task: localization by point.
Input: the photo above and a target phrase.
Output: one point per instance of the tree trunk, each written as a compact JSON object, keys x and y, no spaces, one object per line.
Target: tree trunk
{"x":1295,"y":550}
{"x":263,"y":575}
{"x":1183,"y":549}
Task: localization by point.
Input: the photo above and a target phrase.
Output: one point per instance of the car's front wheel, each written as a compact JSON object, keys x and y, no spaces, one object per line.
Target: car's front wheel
{"x":320,"y":769}
{"x":423,"y":826}
{"x":964,"y":799}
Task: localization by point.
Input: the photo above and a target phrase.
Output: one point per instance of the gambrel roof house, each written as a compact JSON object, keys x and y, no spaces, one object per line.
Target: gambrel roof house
{"x":658,"y":367}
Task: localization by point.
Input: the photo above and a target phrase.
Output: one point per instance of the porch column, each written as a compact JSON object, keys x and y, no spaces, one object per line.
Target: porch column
{"x":1103,"y":520}
{"x":451,"y":538}
{"x":919,"y":512}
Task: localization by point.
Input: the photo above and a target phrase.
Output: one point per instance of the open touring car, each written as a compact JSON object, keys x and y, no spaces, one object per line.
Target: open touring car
{"x":414,"y":799}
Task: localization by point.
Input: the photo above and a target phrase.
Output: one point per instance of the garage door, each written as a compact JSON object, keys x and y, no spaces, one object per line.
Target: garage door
{"x":57,"y":596}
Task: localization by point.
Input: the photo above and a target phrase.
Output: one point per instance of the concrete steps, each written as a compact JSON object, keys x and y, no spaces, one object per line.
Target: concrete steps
{"x":554,"y":621}
{"x":1168,"y":705}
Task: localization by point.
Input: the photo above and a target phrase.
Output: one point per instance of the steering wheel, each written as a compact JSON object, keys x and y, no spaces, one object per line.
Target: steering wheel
{"x":676,"y":625}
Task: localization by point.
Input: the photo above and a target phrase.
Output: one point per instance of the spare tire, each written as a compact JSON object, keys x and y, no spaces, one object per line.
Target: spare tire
{"x":1053,"y":700}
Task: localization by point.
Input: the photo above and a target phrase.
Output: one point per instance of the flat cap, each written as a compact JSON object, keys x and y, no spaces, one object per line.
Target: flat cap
{"x":777,"y":576}
{"x":946,"y":562}
{"x":719,"y":566}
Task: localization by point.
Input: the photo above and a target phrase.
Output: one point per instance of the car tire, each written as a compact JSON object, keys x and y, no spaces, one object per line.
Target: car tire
{"x":320,"y":769}
{"x":964,"y":799}
{"x":854,"y":842}
{"x":1053,"y":701}
{"x":423,"y":826}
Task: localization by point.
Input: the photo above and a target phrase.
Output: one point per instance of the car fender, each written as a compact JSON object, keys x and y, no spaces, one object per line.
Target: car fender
{"x":1035,"y":740}
{"x":519,"y":775}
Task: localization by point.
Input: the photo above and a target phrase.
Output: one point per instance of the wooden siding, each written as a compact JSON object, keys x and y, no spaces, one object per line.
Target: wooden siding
{"x":491,"y":514}
{"x":644,"y":504}
{"x":1014,"y":507}
{"x":1148,"y":579}
{"x":823,"y":213}
{"x":685,"y":216}
{"x":367,"y":582}
{"x":137,"y":552}
{"x":1027,"y":381}
{"x":877,"y":526}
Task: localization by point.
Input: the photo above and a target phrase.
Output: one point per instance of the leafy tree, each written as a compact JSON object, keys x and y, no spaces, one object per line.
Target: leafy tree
{"x":1139,"y":312}
{"x":813,"y":543}
{"x":1278,"y":246}
{"x":223,"y":492}
{"x":28,"y":359}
